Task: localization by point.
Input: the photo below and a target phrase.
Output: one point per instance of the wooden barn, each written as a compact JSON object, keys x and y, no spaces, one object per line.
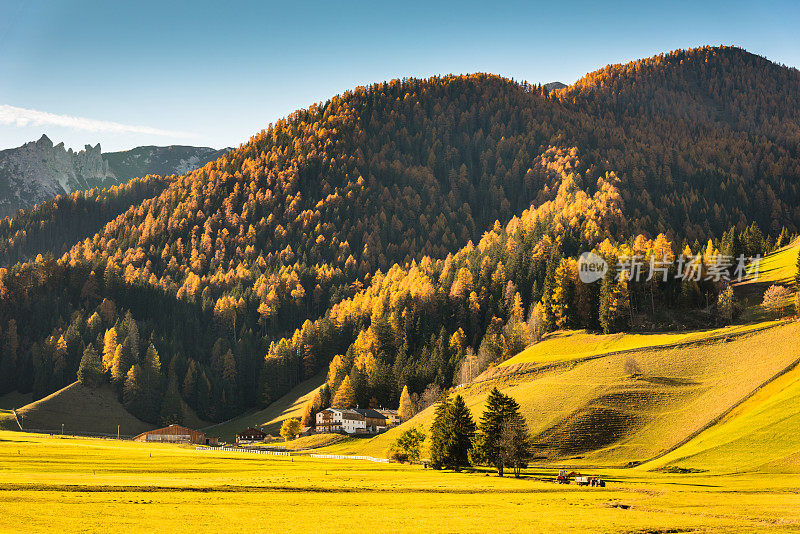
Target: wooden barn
{"x":250,"y":435}
{"x":176,"y":434}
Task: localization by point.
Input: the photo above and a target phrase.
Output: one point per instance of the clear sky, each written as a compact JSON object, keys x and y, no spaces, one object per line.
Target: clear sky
{"x":214,"y":73}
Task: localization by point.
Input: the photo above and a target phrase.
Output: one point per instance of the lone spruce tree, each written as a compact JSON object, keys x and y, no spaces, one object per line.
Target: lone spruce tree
{"x":500,"y":409}
{"x":460,"y":436}
{"x":439,"y":432}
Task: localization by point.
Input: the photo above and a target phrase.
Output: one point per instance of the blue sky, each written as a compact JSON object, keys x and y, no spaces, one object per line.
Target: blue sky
{"x":210,"y":74}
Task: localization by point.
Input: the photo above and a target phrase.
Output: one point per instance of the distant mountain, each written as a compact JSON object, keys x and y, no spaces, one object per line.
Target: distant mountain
{"x":38,"y":171}
{"x":552,"y":86}
{"x":163,"y":160}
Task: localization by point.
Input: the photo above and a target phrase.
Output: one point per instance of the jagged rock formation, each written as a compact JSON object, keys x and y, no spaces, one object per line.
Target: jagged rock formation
{"x":38,"y":171}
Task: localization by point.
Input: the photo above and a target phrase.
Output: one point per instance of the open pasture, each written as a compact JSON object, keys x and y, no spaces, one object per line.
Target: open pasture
{"x":92,"y":485}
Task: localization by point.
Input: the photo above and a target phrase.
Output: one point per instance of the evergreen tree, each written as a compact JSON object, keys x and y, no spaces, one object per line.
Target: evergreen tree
{"x":90,"y":371}
{"x":460,"y":433}
{"x":133,"y":391}
{"x":189,"y":389}
{"x":439,"y":432}
{"x":797,"y":274}
{"x":171,"y":406}
{"x":121,"y":363}
{"x":358,"y":380}
{"x":783,"y":238}
{"x":132,"y":336}
{"x":500,"y":408}
{"x":151,"y":383}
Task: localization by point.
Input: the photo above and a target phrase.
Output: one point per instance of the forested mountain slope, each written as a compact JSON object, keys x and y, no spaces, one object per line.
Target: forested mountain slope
{"x":53,"y":226}
{"x":394,"y":177}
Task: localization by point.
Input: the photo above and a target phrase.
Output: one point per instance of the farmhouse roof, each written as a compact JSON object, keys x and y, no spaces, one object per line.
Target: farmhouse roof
{"x":250,"y":431}
{"x":369,"y":412}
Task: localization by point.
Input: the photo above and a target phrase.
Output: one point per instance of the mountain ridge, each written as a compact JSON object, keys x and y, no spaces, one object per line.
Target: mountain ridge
{"x":39,"y":170}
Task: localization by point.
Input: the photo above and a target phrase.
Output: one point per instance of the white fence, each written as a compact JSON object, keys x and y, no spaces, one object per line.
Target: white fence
{"x":340,"y":457}
{"x":237,"y":449}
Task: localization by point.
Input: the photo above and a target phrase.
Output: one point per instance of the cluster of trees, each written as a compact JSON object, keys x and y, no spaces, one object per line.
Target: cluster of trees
{"x":56,"y":225}
{"x":501,"y":439}
{"x":418,"y":330}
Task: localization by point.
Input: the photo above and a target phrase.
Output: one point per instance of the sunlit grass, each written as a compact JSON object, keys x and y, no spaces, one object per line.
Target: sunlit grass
{"x":49,"y":484}
{"x":576,"y":344}
{"x":628,"y":407}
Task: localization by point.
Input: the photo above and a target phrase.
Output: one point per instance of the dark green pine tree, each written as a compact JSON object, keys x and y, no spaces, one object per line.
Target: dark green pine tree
{"x":783,"y":238}
{"x":152,"y":383}
{"x":90,"y":371}
{"x":461,"y":433}
{"x":171,"y":406}
{"x":439,"y":432}
{"x":133,"y":396}
{"x":358,"y":379}
{"x":499,"y":410}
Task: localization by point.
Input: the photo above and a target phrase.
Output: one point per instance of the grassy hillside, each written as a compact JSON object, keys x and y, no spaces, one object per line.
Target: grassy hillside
{"x":88,"y":410}
{"x":762,"y":434}
{"x":270,"y":418}
{"x":53,"y":484}
{"x":630,"y":407}
{"x":571,"y":344}
{"x":779,"y":267}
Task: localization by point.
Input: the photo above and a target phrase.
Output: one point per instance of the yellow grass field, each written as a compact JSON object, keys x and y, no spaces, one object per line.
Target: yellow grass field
{"x":52,"y":484}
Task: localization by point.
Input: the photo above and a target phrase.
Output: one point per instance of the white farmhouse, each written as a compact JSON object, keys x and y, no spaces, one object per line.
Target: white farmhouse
{"x":341,"y":420}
